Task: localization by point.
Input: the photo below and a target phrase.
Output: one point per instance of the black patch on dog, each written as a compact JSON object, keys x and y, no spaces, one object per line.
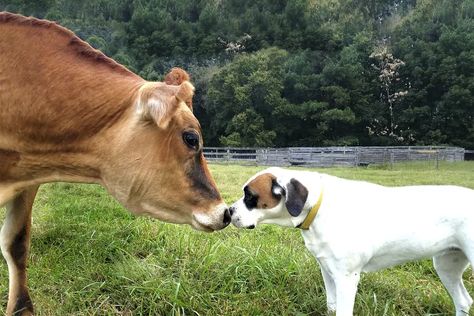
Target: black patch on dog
{"x":250,"y":199}
{"x":296,"y":197}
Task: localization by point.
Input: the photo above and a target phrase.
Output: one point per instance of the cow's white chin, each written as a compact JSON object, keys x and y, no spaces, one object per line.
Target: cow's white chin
{"x":203,"y":228}
{"x":211,"y":221}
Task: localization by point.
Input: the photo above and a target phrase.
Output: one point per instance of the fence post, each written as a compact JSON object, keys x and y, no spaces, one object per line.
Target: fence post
{"x":356,"y":160}
{"x":437,"y":159}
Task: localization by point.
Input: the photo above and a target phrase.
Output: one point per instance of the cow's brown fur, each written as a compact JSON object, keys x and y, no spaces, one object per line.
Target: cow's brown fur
{"x":70,"y":113}
{"x":79,"y":46}
{"x":86,"y":91}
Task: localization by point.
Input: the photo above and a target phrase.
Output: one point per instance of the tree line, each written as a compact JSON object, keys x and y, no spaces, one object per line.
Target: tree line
{"x":297,"y":72}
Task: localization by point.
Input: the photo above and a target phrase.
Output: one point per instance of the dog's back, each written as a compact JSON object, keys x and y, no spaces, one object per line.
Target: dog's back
{"x":392,"y":225}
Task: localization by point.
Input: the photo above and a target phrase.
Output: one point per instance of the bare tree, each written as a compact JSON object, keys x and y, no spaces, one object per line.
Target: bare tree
{"x":237,"y":46}
{"x":387,"y":66}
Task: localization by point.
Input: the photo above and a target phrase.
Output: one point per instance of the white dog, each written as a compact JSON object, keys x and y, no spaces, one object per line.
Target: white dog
{"x":354,"y":226}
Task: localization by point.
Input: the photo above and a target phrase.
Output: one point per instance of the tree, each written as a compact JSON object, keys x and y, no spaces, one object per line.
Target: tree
{"x":247,"y":130}
{"x":297,"y":71}
{"x":387,"y":67}
{"x":251,"y":82}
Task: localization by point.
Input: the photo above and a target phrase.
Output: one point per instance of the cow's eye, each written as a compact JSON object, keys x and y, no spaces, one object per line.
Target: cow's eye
{"x":191,"y":139}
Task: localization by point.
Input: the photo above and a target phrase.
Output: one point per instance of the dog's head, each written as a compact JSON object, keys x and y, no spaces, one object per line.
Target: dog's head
{"x":272,"y":196}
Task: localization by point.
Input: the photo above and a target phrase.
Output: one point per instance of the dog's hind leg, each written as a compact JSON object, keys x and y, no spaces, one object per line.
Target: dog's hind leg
{"x":15,"y":243}
{"x":450,"y":267}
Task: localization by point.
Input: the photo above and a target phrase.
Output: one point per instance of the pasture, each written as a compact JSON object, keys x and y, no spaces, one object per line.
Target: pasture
{"x":91,"y":257}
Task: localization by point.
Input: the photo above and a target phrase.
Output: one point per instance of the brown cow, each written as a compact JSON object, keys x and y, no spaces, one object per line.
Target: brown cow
{"x":69,"y":113}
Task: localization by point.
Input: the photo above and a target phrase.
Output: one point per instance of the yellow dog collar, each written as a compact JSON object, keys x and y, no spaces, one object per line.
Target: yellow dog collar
{"x":312,"y":213}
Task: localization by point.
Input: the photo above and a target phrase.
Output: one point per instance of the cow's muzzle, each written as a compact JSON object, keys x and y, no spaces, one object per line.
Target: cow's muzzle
{"x":216,"y":219}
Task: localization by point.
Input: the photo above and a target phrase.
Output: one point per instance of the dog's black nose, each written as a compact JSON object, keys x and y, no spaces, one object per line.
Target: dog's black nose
{"x":227,"y":217}
{"x":231,"y":210}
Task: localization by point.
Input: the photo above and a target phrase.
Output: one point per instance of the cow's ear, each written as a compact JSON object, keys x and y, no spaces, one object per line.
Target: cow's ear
{"x":176,"y":77}
{"x":185,"y":94}
{"x":157,"y":103}
{"x":296,"y":195}
{"x":179,"y":77}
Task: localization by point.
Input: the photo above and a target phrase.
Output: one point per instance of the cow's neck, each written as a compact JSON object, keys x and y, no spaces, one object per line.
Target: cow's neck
{"x":27,"y":161}
{"x":60,"y":103}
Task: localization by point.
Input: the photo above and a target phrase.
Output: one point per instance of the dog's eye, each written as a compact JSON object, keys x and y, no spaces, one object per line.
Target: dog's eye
{"x":250,"y":200}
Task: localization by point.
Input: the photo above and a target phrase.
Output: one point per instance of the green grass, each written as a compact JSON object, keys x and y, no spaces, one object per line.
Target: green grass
{"x":90,"y":257}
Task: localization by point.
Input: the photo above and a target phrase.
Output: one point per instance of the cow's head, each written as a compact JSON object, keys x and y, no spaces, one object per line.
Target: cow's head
{"x":158,"y":165}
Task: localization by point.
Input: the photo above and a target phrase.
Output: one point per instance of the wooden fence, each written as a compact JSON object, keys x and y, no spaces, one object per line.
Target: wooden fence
{"x":469,"y":155}
{"x":332,"y":156}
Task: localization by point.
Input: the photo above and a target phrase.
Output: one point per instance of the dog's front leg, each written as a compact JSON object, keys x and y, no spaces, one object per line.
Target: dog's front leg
{"x":330,"y":287}
{"x":346,"y":289}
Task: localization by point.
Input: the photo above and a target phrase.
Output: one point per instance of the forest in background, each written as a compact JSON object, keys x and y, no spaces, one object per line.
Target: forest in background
{"x":297,"y":73}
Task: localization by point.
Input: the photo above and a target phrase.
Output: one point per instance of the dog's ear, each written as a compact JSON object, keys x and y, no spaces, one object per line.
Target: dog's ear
{"x":277,"y":190}
{"x":296,"y":195}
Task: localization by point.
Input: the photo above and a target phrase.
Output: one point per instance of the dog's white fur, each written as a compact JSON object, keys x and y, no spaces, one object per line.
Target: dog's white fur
{"x":363,"y":227}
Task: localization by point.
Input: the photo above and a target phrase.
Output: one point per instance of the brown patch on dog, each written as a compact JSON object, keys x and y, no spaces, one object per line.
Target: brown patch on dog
{"x":262,"y":187}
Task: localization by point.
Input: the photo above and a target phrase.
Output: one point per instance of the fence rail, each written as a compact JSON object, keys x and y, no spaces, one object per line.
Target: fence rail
{"x":469,"y":155}
{"x":332,"y":156}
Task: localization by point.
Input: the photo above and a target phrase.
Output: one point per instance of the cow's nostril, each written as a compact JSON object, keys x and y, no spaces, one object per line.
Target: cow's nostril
{"x":231,"y":210}
{"x":227,"y":217}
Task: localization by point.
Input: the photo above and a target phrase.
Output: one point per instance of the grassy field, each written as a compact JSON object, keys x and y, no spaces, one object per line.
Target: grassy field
{"x":90,"y":257}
